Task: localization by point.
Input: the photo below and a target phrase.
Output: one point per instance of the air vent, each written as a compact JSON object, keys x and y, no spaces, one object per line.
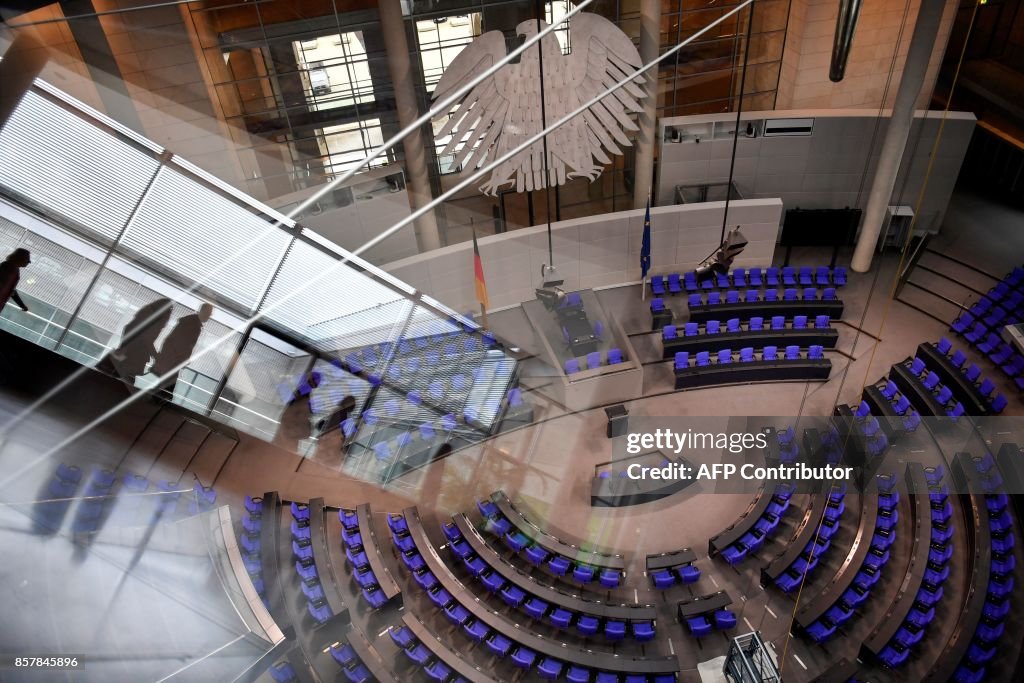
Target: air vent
{"x":775,"y":128}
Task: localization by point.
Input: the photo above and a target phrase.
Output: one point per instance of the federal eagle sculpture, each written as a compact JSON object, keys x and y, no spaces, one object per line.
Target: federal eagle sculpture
{"x":504,"y":110}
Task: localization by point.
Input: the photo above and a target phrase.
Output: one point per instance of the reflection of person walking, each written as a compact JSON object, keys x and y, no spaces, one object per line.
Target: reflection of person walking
{"x":178,"y":347}
{"x":10,"y":273}
{"x":138,"y":340}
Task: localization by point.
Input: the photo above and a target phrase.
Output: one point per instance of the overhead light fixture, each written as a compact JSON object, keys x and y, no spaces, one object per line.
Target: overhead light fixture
{"x":846,"y":25}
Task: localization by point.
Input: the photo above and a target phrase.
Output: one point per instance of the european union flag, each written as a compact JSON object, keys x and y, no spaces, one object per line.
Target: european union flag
{"x":645,"y":245}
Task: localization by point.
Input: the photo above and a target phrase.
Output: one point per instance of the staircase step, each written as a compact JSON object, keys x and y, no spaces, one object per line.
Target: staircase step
{"x":926,"y":302}
{"x":210,"y":459}
{"x":965,"y":277}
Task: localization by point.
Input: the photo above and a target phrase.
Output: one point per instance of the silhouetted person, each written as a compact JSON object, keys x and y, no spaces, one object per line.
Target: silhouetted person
{"x":10,"y":273}
{"x":296,"y":423}
{"x":179,"y":345}
{"x":138,"y":341}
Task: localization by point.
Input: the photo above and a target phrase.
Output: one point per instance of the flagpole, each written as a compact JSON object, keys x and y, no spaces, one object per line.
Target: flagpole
{"x":483,"y":309}
{"x":643,"y":276}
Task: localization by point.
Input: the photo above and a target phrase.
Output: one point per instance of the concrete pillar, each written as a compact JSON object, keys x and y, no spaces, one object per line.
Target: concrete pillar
{"x":417,"y":178}
{"x":21,"y":63}
{"x":643,"y":172}
{"x":925,"y":31}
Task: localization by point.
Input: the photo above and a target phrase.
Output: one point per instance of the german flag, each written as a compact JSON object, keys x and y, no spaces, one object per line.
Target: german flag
{"x":478,"y":276}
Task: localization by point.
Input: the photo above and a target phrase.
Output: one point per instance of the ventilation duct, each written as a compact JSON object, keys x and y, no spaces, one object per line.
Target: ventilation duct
{"x":846,"y":24}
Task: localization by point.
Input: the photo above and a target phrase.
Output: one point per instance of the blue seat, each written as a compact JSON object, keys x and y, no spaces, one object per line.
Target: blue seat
{"x":999,"y":404}
{"x":578,"y":674}
{"x":908,"y":638}
{"x":755,"y":277}
{"x":682,"y":360}
{"x":789,"y":295}
{"x":691,"y":330}
{"x":816,"y":352}
{"x":516,"y":540}
{"x":839,"y":614}
{"x":732,"y":297}
{"x":426,"y":580}
{"x":558,"y":565}
{"x":958,"y":359}
{"x":668,"y":332}
{"x":523,"y":657}
{"x":739,"y":277}
{"x":806,"y":275}
{"x":771,"y":295}
{"x":658,"y":285}
{"x":440,"y":597}
{"x":893,"y":657}
{"x":820,"y":632}
{"x":593,"y":360}
{"x":725,"y":619}
{"x":498,"y":644}
{"x":282,"y":672}
{"x":792,"y":352}
{"x":724,"y":356}
{"x":703,"y":358}
{"x":476,"y":565}
{"x":401,"y":636}
{"x":587,"y":625}
{"x":839,"y":276}
{"x":810,"y":294}
{"x":853,"y":597}
{"x":890,"y":390}
{"x":747,"y":354}
{"x":583,"y":573}
{"x":756,"y":323}
{"x":643,"y":631}
{"x":572,"y":366}
{"x":752,"y":296}
{"x":944,"y":346}
{"x":732,"y":325}
{"x":829,"y":294}
{"x":614,"y":356}
{"x":560,"y":617}
{"x":674,"y":286}
{"x":772,"y":277}
{"x":345,"y":655}
{"x":513,"y":595}
{"x":609,"y":578}
{"x":699,"y":626}
{"x":712,"y":327}
{"x":778,"y":322}
{"x":788,"y":581}
{"x":550,"y":668}
{"x":476,"y":630}
{"x":769,"y":353}
{"x":734,"y":554}
{"x":822,"y":276}
{"x":614,"y":629}
{"x":714,"y":298}
{"x":320,"y":613}
{"x":456,"y":613}
{"x":688,"y":573}
{"x":921,"y":618}
{"x":437,"y":670}
{"x":536,"y":555}
{"x":536,"y":608}
{"x":695,"y":300}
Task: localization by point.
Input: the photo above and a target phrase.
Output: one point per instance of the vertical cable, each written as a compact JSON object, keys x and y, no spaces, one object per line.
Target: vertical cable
{"x":739,"y":113}
{"x":539,"y":9}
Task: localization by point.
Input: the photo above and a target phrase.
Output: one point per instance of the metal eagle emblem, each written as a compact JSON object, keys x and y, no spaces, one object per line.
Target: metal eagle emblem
{"x":504,"y":110}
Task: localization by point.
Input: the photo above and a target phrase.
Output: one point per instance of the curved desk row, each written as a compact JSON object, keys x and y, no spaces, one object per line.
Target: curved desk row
{"x":979,"y":541}
{"x":670,"y":560}
{"x":703,"y":604}
{"x":321,"y":541}
{"x":889,"y":420}
{"x":842,"y":671}
{"x":801,"y":369}
{"x":619,"y":491}
{"x":741,"y":526}
{"x":816,"y":608}
{"x":833,"y":308}
{"x":805,"y":533}
{"x":520,"y":634}
{"x":450,"y":657}
{"x":373,"y":555}
{"x":758,"y":339}
{"x":270,"y":562}
{"x":920,"y":508}
{"x":919,"y":397}
{"x":551,"y":543}
{"x":369,"y":656}
{"x":573,"y":603}
{"x":964,"y":390}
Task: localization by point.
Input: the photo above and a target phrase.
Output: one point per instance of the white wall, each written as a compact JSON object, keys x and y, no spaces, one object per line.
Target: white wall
{"x":826,"y":169}
{"x":590,"y":252}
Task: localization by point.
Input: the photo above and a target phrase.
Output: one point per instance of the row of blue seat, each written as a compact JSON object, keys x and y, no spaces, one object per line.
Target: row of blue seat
{"x":870,"y":571}
{"x":421,"y":656}
{"x":592,"y":360}
{"x":802,"y":567}
{"x":700,"y":624}
{"x":756,"y":277}
{"x":985,"y":639}
{"x":559,"y":565}
{"x":753,"y":296}
{"x":1000,"y":306}
{"x":944,"y":395}
{"x":732,"y":325}
{"x":252,"y":524}
{"x":765,"y":526}
{"x":910,"y":418}
{"x":305,"y":568}
{"x":535,"y":607}
{"x":746,"y":355}
{"x":685,"y":573}
{"x":912,"y":631}
{"x":353,"y":668}
{"x":521,"y":657}
{"x":973,"y":373}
